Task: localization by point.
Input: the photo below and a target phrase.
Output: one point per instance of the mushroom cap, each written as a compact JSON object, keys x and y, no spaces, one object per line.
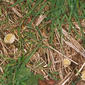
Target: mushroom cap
{"x":66,"y":62}
{"x":83,"y":75}
{"x":9,"y":38}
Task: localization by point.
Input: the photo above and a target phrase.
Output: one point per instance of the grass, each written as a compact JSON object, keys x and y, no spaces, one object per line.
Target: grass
{"x":31,"y":49}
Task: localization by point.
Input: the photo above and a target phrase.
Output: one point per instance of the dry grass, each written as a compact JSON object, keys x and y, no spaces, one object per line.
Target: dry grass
{"x":48,"y":59}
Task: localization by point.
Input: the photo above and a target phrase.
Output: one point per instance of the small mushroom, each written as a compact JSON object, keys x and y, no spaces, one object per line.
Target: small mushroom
{"x":9,"y":38}
{"x":66,"y":62}
{"x":83,"y":75}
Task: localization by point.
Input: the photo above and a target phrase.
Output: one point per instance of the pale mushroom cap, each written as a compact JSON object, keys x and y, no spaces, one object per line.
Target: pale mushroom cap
{"x":66,"y":62}
{"x":9,"y":38}
{"x":83,"y":75}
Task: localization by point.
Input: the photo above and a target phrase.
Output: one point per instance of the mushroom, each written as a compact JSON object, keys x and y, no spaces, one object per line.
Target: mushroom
{"x":66,"y":62}
{"x":83,"y":75}
{"x":9,"y":38}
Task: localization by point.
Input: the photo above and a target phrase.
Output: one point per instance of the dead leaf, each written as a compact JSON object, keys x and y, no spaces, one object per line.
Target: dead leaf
{"x":42,"y":82}
{"x":50,"y":82}
{"x":46,"y":82}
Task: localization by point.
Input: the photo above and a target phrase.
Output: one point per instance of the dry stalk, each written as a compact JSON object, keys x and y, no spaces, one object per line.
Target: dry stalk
{"x":65,"y":80}
{"x":16,"y":12}
{"x":13,"y":9}
{"x":40,"y":19}
{"x":48,"y":55}
{"x":3,"y":47}
{"x":77,"y":26}
{"x":1,"y":70}
{"x":61,"y":73}
{"x":53,"y":61}
{"x":62,"y":54}
{"x":80,"y":69}
{"x":74,"y":44}
{"x":2,"y":62}
{"x":45,"y":75}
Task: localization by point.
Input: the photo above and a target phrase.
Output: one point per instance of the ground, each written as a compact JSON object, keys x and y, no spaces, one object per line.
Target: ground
{"x":48,"y":43}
